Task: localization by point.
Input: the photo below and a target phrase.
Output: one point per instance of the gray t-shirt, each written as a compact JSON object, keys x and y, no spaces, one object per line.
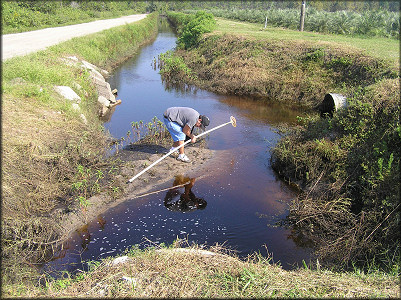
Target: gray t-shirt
{"x":182,"y":116}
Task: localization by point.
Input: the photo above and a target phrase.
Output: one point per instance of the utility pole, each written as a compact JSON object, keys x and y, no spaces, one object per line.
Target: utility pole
{"x":301,"y":22}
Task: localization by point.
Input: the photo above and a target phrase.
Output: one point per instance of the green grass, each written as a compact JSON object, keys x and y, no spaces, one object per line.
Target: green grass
{"x":383,"y":48}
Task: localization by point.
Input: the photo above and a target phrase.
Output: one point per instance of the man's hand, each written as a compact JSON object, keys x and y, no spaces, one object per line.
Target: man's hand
{"x":193,"y":138}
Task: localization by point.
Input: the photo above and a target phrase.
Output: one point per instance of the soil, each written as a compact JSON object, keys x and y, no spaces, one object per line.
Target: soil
{"x":133,"y":160}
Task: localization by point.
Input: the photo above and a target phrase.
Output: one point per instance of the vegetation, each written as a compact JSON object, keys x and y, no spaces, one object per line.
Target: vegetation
{"x":347,"y":165}
{"x":382,"y":48}
{"x":194,"y":272}
{"x":289,"y":70}
{"x":368,"y":23}
{"x":52,"y":161}
{"x":153,"y":133}
{"x":331,"y":6}
{"x":192,"y":27}
{"x":19,"y":16}
{"x":366,"y":18}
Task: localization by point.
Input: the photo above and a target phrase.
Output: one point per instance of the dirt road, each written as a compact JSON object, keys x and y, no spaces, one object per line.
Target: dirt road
{"x":19,"y":44}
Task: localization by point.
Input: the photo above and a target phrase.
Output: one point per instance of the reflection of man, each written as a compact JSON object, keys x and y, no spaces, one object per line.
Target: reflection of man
{"x":101,"y":221}
{"x":186,"y":201}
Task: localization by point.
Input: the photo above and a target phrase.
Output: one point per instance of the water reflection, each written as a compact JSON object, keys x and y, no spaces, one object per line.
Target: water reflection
{"x":101,"y":221}
{"x":186,"y":201}
{"x":83,"y":235}
{"x":264,"y":111}
{"x":107,"y":116}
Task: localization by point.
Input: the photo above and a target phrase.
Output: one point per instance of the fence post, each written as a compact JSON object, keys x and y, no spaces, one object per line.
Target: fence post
{"x":301,"y":22}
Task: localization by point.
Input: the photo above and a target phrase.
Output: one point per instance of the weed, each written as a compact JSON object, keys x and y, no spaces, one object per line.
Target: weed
{"x":172,"y":66}
{"x":154,"y":132}
{"x":315,"y":55}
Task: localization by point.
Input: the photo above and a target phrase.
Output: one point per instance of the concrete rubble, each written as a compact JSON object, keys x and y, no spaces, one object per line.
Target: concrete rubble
{"x":106,"y":96}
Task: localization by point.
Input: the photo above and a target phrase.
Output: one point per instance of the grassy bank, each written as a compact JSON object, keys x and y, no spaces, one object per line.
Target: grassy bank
{"x":193,"y":272}
{"x":280,"y":65}
{"x":347,"y":165}
{"x":382,"y":48}
{"x":52,"y":161}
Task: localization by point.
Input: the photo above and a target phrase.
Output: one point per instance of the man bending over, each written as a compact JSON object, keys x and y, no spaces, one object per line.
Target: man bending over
{"x":180,"y":122}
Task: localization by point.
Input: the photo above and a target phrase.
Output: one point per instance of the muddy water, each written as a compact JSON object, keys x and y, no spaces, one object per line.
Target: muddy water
{"x":236,"y":201}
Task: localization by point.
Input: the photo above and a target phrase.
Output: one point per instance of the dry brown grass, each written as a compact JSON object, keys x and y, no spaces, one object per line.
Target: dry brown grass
{"x":194,"y":272}
{"x":41,"y":148}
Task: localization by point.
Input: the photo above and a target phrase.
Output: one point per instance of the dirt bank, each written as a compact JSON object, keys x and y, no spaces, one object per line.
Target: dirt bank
{"x":133,"y":160}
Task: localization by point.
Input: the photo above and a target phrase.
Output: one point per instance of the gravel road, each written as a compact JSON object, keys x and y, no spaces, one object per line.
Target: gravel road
{"x":19,"y":44}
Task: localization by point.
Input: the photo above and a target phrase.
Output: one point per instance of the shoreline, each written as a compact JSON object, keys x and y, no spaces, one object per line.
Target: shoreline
{"x":133,"y":162}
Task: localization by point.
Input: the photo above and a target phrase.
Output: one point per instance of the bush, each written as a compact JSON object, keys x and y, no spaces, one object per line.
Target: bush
{"x":191,"y":27}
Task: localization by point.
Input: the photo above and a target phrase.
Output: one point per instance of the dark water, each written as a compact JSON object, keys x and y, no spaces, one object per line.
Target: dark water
{"x":242,"y":199}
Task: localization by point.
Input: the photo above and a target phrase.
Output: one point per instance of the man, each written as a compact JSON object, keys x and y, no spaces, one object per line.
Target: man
{"x":180,"y":122}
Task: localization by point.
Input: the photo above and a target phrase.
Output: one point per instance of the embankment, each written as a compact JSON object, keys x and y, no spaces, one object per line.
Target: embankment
{"x":346,"y":164}
{"x":53,"y":151}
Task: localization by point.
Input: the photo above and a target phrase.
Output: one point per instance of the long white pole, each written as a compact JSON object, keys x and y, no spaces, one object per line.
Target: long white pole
{"x":176,"y":148}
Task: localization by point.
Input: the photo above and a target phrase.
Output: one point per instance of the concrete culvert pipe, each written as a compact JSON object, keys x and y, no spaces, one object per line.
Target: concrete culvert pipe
{"x":331,"y":103}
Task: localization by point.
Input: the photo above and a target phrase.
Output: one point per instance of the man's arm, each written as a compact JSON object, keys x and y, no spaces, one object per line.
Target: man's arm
{"x":187,"y":132}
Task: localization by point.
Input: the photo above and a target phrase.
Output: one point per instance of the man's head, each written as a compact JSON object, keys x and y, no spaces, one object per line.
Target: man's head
{"x":203,"y":122}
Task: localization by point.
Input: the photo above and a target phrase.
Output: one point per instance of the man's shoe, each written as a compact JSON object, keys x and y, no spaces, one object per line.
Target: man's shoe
{"x":183,"y":157}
